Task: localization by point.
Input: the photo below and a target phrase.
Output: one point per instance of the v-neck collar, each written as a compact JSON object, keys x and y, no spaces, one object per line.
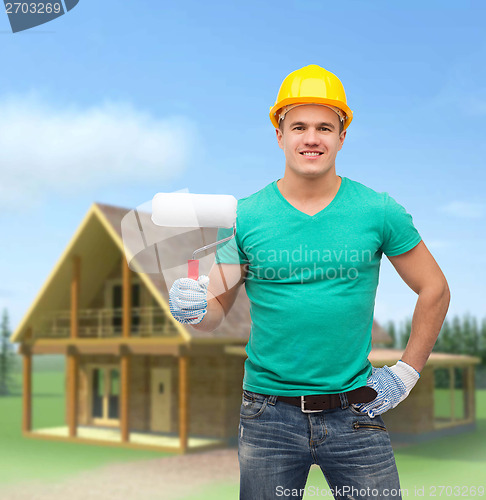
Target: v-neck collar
{"x":337,"y":196}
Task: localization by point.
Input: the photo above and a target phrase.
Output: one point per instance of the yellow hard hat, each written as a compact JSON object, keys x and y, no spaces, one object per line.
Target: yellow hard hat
{"x":311,"y":85}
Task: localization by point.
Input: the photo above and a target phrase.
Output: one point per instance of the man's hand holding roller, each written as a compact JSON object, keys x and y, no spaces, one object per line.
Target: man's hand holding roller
{"x":188,"y":300}
{"x":204,"y":303}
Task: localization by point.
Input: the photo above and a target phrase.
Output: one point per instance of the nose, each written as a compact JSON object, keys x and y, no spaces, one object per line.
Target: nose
{"x":311,"y":137}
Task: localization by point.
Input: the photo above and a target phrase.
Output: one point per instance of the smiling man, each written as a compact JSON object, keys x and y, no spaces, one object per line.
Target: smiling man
{"x":313,"y":137}
{"x":308,"y":249}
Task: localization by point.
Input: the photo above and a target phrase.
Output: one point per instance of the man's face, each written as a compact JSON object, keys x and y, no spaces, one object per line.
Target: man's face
{"x":310,"y":129}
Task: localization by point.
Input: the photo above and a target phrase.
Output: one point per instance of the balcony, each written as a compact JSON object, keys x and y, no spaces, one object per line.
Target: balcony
{"x":106,"y":323}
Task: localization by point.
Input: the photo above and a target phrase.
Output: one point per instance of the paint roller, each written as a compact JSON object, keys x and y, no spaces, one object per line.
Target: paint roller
{"x":195,"y":210}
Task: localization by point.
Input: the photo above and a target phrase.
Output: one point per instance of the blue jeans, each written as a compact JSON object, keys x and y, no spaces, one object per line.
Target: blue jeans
{"x":278,"y":443}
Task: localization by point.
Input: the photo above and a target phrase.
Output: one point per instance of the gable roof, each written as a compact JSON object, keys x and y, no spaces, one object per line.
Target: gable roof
{"x":161,"y":249}
{"x":379,"y":335}
{"x":237,"y":323}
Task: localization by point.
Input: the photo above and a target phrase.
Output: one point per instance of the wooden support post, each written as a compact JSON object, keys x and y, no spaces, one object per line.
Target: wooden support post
{"x":125,"y":395}
{"x":72,"y":356}
{"x":27,"y":391}
{"x":124,"y":353}
{"x":183,"y":402}
{"x":469,"y":392}
{"x":452,"y":384}
{"x":127,"y":298}
{"x":75,"y":283}
{"x":465,"y":391}
{"x":72,"y":391}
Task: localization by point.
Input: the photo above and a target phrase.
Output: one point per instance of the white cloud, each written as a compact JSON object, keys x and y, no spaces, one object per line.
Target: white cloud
{"x":464,"y":209}
{"x":46,"y":150}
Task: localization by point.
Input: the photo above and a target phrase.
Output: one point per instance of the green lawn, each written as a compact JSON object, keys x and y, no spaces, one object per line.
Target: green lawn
{"x":442,"y":403}
{"x":23,"y":458}
{"x":454,"y":461}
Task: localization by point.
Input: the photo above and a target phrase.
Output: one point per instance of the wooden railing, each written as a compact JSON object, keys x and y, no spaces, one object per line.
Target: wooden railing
{"x":106,"y":323}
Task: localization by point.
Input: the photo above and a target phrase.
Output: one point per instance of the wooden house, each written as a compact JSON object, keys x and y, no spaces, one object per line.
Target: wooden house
{"x":135,"y":377}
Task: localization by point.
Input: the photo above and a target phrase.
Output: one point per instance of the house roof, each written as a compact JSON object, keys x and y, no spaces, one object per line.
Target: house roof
{"x":159,"y":255}
{"x":379,"y":335}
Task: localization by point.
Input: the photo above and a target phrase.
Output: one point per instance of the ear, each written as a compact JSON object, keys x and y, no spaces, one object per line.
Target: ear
{"x":341,"y":138}
{"x":279,"y":137}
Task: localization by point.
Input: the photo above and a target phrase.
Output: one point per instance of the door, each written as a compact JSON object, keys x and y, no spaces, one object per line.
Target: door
{"x":105,"y":395}
{"x":161,"y":398}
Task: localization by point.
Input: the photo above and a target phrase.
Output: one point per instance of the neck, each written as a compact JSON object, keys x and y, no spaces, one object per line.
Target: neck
{"x":308,"y":190}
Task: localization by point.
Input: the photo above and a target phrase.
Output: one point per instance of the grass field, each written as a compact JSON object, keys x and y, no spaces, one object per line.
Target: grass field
{"x":458,"y":461}
{"x":22,"y":458}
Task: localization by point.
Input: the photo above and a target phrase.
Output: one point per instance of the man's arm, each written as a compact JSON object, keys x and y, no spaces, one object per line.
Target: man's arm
{"x":224,"y":284}
{"x":423,"y":275}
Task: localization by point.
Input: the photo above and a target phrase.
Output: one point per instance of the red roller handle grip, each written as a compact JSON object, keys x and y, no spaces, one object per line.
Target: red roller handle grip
{"x":193,"y":269}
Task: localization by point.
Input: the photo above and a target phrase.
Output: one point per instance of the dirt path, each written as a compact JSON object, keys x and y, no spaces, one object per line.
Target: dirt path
{"x":166,"y":478}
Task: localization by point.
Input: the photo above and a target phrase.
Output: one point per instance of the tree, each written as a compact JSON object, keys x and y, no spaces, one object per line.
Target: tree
{"x":392,"y":332}
{"x":470,"y":336}
{"x":457,"y":338}
{"x":445,"y":339}
{"x":7,"y":358}
{"x":406,"y":330}
{"x":482,"y":342}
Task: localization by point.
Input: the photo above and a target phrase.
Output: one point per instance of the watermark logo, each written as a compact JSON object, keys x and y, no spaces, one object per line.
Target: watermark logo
{"x":28,"y":14}
{"x":303,"y":264}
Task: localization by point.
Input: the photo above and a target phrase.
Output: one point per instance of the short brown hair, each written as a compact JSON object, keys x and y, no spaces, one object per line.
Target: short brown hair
{"x":280,"y":125}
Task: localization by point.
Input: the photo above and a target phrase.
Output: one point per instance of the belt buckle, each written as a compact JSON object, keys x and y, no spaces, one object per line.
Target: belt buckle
{"x":302,"y":406}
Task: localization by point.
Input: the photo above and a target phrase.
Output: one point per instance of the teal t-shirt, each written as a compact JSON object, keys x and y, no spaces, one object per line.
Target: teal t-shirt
{"x":312,"y":284}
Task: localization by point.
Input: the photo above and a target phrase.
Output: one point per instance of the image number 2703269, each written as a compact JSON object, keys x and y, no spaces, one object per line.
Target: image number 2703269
{"x":29,"y":14}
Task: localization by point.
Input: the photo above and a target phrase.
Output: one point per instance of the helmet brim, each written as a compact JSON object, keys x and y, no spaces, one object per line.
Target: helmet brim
{"x":310,"y":100}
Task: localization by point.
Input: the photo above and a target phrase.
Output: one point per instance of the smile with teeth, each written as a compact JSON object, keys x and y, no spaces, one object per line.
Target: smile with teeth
{"x":311,"y":153}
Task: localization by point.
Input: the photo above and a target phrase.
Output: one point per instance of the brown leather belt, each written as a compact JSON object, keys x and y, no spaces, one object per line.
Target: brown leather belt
{"x":319,"y":402}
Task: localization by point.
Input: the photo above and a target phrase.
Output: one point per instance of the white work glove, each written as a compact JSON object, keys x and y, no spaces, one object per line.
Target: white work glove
{"x":188,"y":300}
{"x":392,"y":384}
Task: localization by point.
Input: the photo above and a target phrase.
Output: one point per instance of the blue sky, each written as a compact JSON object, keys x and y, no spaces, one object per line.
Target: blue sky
{"x":188,"y":86}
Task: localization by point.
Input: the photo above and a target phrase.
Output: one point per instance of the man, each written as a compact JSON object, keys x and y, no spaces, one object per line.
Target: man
{"x":308,"y":248}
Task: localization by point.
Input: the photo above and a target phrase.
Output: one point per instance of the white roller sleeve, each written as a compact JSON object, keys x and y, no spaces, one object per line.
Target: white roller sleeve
{"x":193,"y":210}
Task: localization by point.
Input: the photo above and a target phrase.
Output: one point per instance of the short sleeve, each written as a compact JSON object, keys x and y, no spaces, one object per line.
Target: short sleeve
{"x":399,"y":232}
{"x":229,"y":252}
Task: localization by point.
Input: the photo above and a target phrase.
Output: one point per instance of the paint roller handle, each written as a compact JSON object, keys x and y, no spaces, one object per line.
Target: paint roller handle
{"x":193,"y":264}
{"x":193,"y":269}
